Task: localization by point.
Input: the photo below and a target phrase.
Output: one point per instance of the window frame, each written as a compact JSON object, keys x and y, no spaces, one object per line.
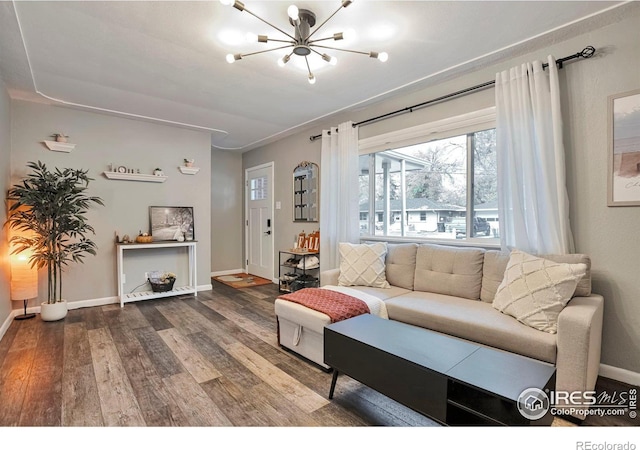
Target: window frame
{"x":464,"y":124}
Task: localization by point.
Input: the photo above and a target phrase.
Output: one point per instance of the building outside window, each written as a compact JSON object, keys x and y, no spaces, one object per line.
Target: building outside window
{"x":437,"y":189}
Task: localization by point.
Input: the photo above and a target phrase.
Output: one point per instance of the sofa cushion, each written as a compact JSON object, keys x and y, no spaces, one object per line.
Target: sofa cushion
{"x":535,"y":290}
{"x":474,"y":321}
{"x":363,"y":265}
{"x":495,"y":263}
{"x":449,"y":270}
{"x":401,"y":264}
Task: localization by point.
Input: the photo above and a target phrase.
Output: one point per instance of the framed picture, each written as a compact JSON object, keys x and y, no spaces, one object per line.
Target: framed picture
{"x":171,"y":223}
{"x":624,"y":149}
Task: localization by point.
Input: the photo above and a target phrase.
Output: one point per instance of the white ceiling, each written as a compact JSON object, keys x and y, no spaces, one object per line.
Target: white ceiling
{"x":165,"y":60}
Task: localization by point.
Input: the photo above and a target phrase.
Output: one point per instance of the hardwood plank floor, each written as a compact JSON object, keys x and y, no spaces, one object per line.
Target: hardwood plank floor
{"x":205,"y":361}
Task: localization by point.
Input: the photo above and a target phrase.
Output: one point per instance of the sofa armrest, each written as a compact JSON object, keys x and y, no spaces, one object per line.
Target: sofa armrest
{"x":329,"y":277}
{"x":579,"y":343}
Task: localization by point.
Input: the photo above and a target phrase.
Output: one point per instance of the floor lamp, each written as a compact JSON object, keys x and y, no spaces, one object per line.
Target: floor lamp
{"x":24,"y":282}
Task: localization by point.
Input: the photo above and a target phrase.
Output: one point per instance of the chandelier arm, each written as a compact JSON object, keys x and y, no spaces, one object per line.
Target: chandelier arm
{"x":339,"y":49}
{"x":281,"y":40}
{"x":321,"y":39}
{"x":270,"y":24}
{"x":315,"y":51}
{"x":308,"y":67}
{"x":328,"y":18}
{"x":265,"y":51}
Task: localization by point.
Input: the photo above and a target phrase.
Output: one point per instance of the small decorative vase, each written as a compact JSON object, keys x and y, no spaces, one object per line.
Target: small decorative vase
{"x":181,"y":238}
{"x":61,"y":138}
{"x":50,"y":312}
{"x":188,"y":164}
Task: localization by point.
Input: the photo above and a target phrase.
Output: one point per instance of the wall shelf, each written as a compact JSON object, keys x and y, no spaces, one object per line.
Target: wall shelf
{"x":59,"y":146}
{"x":189,"y":170}
{"x":135,"y":177}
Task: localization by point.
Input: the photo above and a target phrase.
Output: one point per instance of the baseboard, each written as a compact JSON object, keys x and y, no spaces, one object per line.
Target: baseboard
{"x":618,"y":374}
{"x":227,"y":272}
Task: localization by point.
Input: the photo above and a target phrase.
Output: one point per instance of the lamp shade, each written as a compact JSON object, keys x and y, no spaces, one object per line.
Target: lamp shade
{"x":24,"y":278}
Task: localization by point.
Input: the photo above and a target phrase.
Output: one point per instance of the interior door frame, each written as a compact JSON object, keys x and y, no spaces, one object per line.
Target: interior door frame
{"x":270,"y":165}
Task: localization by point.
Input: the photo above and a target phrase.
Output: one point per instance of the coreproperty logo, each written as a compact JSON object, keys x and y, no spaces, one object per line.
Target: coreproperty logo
{"x":534,"y":403}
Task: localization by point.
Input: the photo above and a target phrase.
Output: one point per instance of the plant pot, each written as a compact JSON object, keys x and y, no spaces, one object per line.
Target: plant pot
{"x":50,"y":312}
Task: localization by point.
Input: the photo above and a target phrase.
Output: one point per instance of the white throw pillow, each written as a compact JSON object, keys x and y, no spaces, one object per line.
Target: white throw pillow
{"x":534,"y":290}
{"x":363,"y":265}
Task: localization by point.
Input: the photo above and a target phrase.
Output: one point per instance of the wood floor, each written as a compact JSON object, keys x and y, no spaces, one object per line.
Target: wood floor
{"x":210,"y":360}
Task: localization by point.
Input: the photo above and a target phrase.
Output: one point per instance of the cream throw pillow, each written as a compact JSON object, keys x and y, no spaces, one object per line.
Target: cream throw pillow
{"x":534,"y":290}
{"x":363,"y":265}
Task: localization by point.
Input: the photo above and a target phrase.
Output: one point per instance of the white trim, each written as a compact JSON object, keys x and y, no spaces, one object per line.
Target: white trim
{"x":220,"y":273}
{"x":618,"y":374}
{"x":269,"y":165}
{"x":451,"y":126}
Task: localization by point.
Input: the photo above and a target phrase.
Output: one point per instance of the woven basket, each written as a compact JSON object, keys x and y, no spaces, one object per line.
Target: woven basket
{"x":144,"y":239}
{"x":159,"y":286}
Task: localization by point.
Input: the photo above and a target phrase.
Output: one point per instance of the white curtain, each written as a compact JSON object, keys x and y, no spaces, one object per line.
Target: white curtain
{"x":339,"y":211}
{"x":532,"y":197}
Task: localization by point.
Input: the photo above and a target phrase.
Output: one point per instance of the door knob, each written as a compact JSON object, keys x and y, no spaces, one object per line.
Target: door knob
{"x":267,"y":232}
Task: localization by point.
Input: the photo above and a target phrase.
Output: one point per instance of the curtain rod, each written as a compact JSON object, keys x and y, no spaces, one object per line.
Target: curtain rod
{"x":587,"y":52}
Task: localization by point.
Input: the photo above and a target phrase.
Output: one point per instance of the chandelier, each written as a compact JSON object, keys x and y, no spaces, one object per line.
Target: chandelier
{"x":300,"y":41}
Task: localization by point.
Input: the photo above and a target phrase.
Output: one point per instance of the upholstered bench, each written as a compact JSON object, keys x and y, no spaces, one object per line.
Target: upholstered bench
{"x":302,"y":316}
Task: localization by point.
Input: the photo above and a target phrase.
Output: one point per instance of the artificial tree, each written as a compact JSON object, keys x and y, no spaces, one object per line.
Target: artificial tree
{"x":48,"y":210}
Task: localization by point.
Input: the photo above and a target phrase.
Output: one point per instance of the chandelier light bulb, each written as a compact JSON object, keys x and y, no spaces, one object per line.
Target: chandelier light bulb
{"x":293,"y":12}
{"x":231,"y":58}
{"x":251,"y":37}
{"x":312,"y":79}
{"x":226,"y":2}
{"x":349,"y":34}
{"x":383,"y":56}
{"x":285,"y":59}
{"x":330,"y":59}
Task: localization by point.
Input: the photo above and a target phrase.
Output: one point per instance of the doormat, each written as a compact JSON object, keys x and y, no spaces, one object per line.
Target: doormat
{"x":241,"y":280}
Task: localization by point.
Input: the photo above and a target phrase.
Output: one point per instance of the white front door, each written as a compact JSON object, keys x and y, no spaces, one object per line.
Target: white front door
{"x":259,"y":220}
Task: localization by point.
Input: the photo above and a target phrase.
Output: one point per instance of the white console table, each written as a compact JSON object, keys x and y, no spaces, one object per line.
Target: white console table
{"x":191,"y":288}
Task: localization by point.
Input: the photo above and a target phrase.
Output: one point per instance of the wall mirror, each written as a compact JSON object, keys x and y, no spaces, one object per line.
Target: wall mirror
{"x":305,"y":192}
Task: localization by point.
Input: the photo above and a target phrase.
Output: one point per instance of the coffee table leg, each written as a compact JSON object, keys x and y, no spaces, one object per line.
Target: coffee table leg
{"x":333,"y":383}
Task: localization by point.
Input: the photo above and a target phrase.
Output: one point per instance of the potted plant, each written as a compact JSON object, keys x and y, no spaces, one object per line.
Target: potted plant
{"x":49,"y":207}
{"x":188,"y":162}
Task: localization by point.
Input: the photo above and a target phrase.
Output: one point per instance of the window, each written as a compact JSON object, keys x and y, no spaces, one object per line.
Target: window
{"x":444,"y":188}
{"x":258,"y":188}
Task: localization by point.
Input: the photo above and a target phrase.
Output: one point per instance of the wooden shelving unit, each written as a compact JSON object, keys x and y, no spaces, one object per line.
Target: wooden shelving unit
{"x":191,"y":288}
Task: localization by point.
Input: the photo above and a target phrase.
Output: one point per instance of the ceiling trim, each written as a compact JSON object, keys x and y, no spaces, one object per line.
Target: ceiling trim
{"x":97,"y":108}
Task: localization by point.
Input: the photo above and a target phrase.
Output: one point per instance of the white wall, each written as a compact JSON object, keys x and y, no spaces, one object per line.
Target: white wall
{"x":104,"y":139}
{"x":226,"y":211}
{"x":611,"y":236}
{"x":5,"y":172}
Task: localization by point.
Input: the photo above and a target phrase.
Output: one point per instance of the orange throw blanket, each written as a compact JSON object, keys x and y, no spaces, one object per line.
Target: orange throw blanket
{"x":336,"y":305}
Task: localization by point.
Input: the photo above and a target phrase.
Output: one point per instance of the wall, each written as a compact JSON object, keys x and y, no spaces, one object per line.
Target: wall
{"x":104,"y":139}
{"x":226,"y":212}
{"x":5,"y":172}
{"x":611,"y":236}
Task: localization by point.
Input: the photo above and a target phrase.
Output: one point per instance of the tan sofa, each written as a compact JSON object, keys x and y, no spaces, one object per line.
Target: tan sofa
{"x":451,"y":290}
